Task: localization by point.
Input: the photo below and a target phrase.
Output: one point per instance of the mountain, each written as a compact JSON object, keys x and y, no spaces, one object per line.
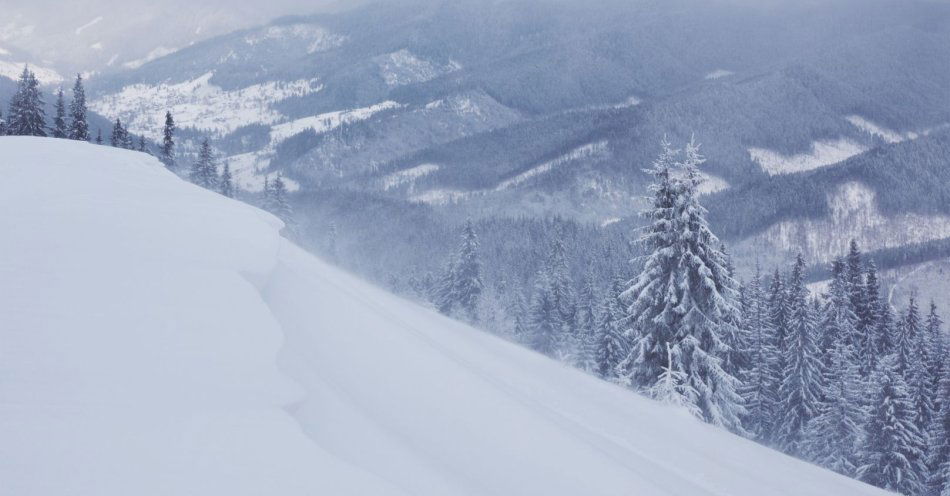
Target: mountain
{"x":544,"y":107}
{"x":170,"y":341}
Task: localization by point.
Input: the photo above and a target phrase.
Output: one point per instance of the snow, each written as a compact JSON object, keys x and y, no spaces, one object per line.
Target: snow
{"x":96,"y":46}
{"x":439,"y":196}
{"x":3,"y":51}
{"x":880,"y":131}
{"x":589,"y":150}
{"x":610,"y":220}
{"x":88,"y":25}
{"x":324,"y":122}
{"x":156,"y":53}
{"x":45,"y":75}
{"x":408,"y":176}
{"x":853,"y":215}
{"x":403,"y":67}
{"x":317,"y":38}
{"x":161,"y":339}
{"x":719,"y":74}
{"x":199,"y":104}
{"x":823,"y":153}
{"x":629,"y":102}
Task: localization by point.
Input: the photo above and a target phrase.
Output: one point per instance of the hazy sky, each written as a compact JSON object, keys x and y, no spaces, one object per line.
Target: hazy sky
{"x":89,"y":34}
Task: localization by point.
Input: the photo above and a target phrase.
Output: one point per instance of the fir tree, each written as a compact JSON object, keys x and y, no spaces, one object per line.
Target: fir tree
{"x":869,"y":347}
{"x":833,"y":434}
{"x":839,"y":320}
{"x":142,"y":146}
{"x":204,"y":172}
{"x":763,"y":378}
{"x":99,"y":136}
{"x":3,"y":125}
{"x":908,"y":338}
{"x":801,"y":386}
{"x":684,"y":295}
{"x":855,"y":282}
{"x":118,"y":138}
{"x":939,"y":447}
{"x":226,"y":183}
{"x":463,"y":281}
{"x":893,"y":448}
{"x":59,"y":118}
{"x":587,"y":327}
{"x":544,"y":324}
{"x":279,"y":202}
{"x":78,"y":126}
{"x":27,"y":116}
{"x":563,"y":300}
{"x":612,"y":345}
{"x":167,"y":155}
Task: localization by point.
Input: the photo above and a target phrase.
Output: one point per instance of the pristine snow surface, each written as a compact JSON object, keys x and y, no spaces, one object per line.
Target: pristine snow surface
{"x":158,"y":339}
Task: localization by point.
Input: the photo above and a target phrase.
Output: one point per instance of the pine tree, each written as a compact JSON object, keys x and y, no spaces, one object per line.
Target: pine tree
{"x":612,"y":345}
{"x":226,"y":183}
{"x":99,"y":136}
{"x":778,"y":314}
{"x":833,"y":434}
{"x":167,"y":155}
{"x":908,"y":338}
{"x":78,"y":126}
{"x":59,"y":119}
{"x":684,"y":295}
{"x":279,"y":201}
{"x":893,"y":447}
{"x":142,"y":146}
{"x":563,"y":300}
{"x":204,"y":172}
{"x":27,"y":116}
{"x":856,"y":282}
{"x":763,"y":378}
{"x":801,"y":386}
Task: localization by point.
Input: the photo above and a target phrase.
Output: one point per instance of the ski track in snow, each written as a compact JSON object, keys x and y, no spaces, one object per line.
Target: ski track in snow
{"x":169,"y":341}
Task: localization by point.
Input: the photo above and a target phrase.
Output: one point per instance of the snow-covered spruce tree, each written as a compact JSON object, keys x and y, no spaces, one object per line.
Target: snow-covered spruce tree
{"x":856,"y":282}
{"x":586,"y":326}
{"x":936,"y":342}
{"x":778,"y":314}
{"x":907,"y":338}
{"x":27,"y":116}
{"x":59,"y":116}
{"x":801,"y":384}
{"x":893,"y":449}
{"x":167,"y":155}
{"x":684,"y":295}
{"x":142,"y":146}
{"x":78,"y":128}
{"x":99,"y":136}
{"x":868,"y":346}
{"x":939,"y":448}
{"x":838,"y":322}
{"x":226,"y":183}
{"x":3,"y":125}
{"x":461,"y":287}
{"x":612,"y":345}
{"x":117,"y":139}
{"x":563,"y":299}
{"x":832,"y":435}
{"x":544,"y":324}
{"x":204,"y":172}
{"x":761,"y":381}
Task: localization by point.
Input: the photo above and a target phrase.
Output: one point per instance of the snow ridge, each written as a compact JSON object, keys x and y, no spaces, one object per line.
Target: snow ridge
{"x":823,"y":153}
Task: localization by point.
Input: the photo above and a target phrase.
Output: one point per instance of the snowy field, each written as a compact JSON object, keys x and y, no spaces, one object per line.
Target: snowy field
{"x":159,"y":339}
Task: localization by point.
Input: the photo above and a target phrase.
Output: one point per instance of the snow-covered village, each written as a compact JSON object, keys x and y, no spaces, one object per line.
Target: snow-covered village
{"x":470,"y":247}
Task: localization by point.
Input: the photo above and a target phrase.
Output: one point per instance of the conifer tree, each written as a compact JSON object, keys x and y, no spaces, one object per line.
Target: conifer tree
{"x":118,"y":138}
{"x":544,"y":324}
{"x":778,"y":314}
{"x":27,"y":116}
{"x":939,"y":447}
{"x":838,"y":427}
{"x":99,"y":136}
{"x":142,"y":146}
{"x":59,"y":118}
{"x":279,"y":201}
{"x":587,"y":327}
{"x":855,"y":281}
{"x":612,"y":345}
{"x":838,"y":318}
{"x":893,"y":448}
{"x":204,"y":172}
{"x":167,"y":155}
{"x":907,"y":340}
{"x":78,"y":126}
{"x":869,"y":347}
{"x":3,"y":125}
{"x":560,"y":289}
{"x":763,"y":378}
{"x":684,"y":295}
{"x":801,"y":386}
{"x":226,"y":183}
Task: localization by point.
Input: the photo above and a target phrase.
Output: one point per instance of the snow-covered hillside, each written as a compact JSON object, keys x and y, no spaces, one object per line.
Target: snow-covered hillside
{"x":160,"y":339}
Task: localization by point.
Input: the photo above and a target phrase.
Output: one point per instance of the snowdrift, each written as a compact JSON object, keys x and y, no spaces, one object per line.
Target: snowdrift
{"x":159,"y":339}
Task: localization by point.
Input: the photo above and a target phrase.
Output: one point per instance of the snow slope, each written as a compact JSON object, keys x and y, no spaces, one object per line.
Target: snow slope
{"x":160,"y":339}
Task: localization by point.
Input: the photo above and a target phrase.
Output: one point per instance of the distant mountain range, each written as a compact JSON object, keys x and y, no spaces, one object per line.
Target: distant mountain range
{"x":827,"y":117}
